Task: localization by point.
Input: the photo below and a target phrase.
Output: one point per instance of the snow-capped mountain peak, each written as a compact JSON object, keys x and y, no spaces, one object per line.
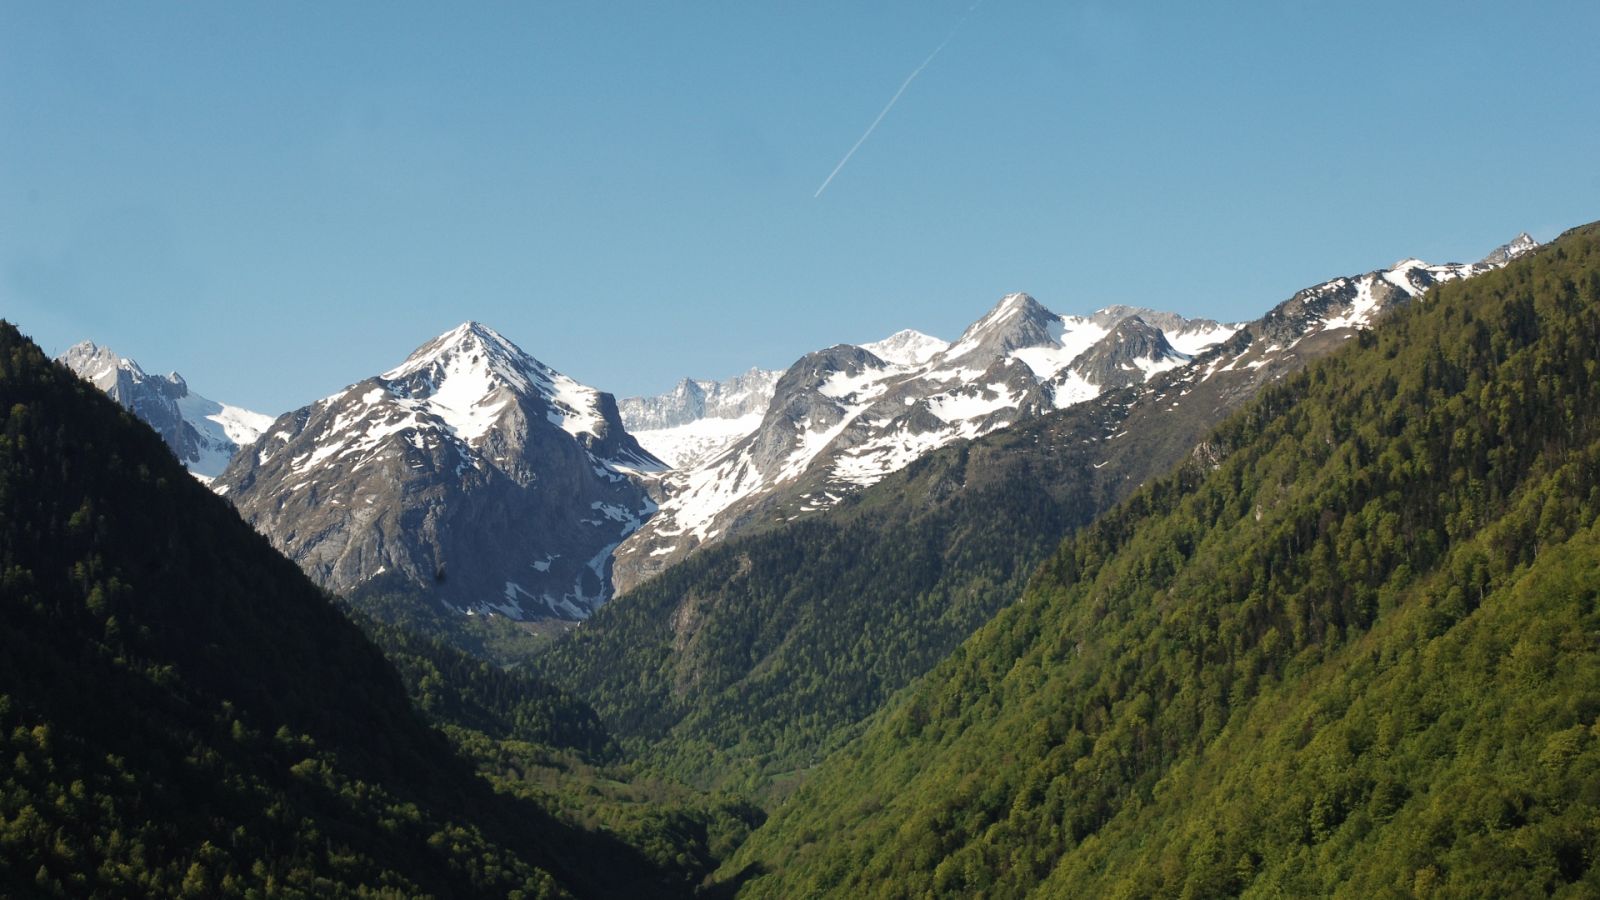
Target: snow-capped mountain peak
{"x":468,"y":376}
{"x":472,"y":458}
{"x":1016,"y":322}
{"x":1130,"y":353}
{"x":478,"y":344}
{"x":907,"y":347}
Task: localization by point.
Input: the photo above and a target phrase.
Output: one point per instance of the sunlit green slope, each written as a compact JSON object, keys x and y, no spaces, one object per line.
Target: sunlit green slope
{"x":1357,"y":654}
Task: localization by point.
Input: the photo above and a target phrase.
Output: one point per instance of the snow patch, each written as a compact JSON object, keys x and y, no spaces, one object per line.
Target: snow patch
{"x":688,"y":445}
{"x":906,"y":348}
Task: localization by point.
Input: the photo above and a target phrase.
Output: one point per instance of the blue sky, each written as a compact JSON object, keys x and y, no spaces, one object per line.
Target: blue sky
{"x":277,"y":199}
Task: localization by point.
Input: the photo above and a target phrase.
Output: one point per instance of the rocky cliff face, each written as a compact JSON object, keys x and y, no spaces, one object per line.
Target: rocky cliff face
{"x":472,"y":473}
{"x":202,"y":433}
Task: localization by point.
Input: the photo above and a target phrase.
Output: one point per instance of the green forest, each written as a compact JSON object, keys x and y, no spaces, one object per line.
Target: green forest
{"x":1356,"y":655}
{"x":753,"y":659}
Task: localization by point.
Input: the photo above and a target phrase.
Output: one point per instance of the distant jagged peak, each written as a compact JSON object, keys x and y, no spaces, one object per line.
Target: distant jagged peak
{"x":1520,"y":245}
{"x":202,"y":433}
{"x":818,"y":367}
{"x":1016,"y":322}
{"x":693,"y":399}
{"x":907,"y":347}
{"x":106,"y":370}
{"x":688,"y":388}
{"x":1111,"y":316}
{"x":99,"y":364}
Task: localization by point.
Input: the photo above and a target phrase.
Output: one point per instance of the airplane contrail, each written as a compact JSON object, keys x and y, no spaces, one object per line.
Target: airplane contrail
{"x":895,"y":99}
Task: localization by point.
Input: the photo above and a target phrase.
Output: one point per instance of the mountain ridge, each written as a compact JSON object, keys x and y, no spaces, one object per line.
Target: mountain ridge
{"x":841,"y":423}
{"x":846,"y":422}
{"x":1015,"y":362}
{"x":202,"y":433}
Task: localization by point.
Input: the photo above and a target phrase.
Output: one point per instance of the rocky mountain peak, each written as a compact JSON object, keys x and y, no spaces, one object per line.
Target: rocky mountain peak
{"x":1016,"y":322}
{"x":907,"y":347}
{"x":97,"y":364}
{"x":1126,"y":355}
{"x":816,"y":367}
{"x":1111,"y":316}
{"x":475,"y":349}
{"x":471,"y":472}
{"x":1517,"y":246}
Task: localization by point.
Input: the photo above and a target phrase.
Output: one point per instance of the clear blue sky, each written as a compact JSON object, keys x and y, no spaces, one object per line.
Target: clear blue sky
{"x":277,"y":199}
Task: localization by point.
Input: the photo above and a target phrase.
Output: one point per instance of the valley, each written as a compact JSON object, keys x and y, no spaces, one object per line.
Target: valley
{"x":1129,"y":592}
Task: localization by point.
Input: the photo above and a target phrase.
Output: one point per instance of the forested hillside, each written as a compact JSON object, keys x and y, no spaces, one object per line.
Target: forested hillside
{"x":183,"y":714}
{"x":453,"y":687}
{"x":1355,"y":651}
{"x":757,"y":656}
{"x":751,"y":660}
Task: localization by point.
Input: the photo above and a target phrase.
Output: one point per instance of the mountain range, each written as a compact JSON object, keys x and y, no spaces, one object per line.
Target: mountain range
{"x":1307,"y":610}
{"x":476,"y":476}
{"x":842,"y":418}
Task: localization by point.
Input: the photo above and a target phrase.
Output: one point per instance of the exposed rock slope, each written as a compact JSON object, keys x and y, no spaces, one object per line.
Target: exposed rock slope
{"x":471,"y":472}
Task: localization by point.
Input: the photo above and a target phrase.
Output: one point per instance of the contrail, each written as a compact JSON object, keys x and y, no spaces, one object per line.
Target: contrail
{"x":895,"y":99}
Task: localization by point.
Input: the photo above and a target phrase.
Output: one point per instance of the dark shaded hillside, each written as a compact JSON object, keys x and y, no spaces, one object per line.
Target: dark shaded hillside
{"x":453,"y":687}
{"x":183,"y":713}
{"x":1353,"y":651}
